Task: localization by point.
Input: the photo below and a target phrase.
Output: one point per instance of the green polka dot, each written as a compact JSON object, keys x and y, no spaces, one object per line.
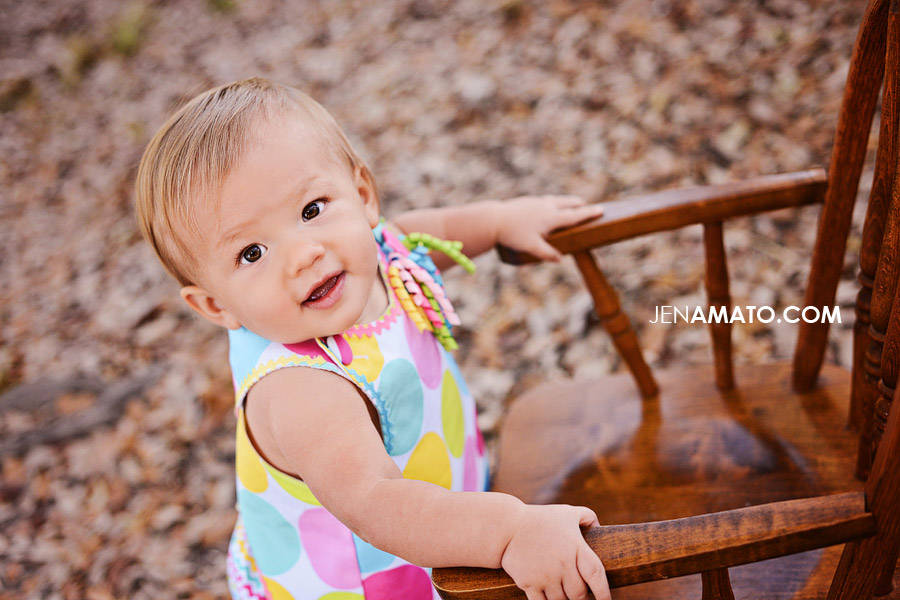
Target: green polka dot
{"x":401,"y":391}
{"x":274,"y":542}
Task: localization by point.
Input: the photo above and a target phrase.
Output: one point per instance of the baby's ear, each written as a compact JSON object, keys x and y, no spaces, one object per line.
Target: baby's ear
{"x":368,"y":193}
{"x":205,"y":305}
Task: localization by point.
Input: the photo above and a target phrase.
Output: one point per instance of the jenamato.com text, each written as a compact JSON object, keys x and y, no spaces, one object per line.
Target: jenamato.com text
{"x":668,"y":313}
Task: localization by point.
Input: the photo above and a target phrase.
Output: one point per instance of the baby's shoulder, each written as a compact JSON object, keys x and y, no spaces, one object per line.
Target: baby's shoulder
{"x":299,"y":382}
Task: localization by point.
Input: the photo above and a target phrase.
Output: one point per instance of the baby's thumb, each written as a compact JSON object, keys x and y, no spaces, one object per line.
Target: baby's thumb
{"x":587,"y":517}
{"x":544,"y":251}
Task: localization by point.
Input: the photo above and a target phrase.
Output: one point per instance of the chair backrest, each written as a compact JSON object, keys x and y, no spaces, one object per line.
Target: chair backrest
{"x":864,"y":79}
{"x":876,"y":56}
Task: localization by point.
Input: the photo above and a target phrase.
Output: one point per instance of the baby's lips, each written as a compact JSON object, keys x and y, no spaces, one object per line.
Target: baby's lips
{"x":321,"y":284}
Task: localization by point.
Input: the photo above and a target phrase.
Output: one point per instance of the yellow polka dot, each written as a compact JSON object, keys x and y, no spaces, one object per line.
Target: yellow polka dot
{"x":276,"y":590}
{"x":367,"y":357}
{"x":429,"y":462}
{"x":249,"y":468}
{"x":294,"y":487}
{"x":452,"y":415}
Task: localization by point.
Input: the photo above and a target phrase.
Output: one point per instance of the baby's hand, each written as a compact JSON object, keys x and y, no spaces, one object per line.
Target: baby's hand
{"x":548,"y":558}
{"x":524,"y":221}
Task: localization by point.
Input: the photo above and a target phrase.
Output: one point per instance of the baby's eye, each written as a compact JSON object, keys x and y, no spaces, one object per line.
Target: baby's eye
{"x":251,"y":254}
{"x":312,"y":210}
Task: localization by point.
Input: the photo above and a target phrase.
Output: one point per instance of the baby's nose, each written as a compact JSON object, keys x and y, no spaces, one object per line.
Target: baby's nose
{"x":304,"y":253}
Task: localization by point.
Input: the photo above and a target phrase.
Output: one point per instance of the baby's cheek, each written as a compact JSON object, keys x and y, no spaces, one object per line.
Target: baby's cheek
{"x":276,"y":315}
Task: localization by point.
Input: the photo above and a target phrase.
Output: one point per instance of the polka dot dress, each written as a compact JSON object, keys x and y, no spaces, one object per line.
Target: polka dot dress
{"x":285,"y":545}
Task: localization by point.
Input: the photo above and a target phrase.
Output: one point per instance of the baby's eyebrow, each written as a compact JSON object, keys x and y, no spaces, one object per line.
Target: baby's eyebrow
{"x":230,"y":235}
{"x":302,"y":185}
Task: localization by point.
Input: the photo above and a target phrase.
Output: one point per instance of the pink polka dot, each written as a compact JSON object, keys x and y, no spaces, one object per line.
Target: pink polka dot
{"x":307,"y":348}
{"x":470,"y":466}
{"x":329,"y":546}
{"x":408,"y":582}
{"x":478,"y":436}
{"x":425,"y":352}
{"x":344,"y":347}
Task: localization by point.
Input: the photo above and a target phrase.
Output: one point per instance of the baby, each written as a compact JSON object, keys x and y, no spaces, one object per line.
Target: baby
{"x":254,"y":200}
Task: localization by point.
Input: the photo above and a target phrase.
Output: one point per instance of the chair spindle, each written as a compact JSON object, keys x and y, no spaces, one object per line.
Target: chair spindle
{"x":880,"y":367}
{"x":888,"y":187}
{"x":608,"y":309}
{"x":861,"y":339}
{"x":716,"y":585}
{"x":719,"y":298}
{"x":887,"y":349}
{"x":847,"y":158}
{"x":873,"y":236}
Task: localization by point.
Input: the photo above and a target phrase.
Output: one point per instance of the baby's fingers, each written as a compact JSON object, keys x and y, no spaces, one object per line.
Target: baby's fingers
{"x":578,"y":214}
{"x":535,"y":594}
{"x":574,"y":586}
{"x":568,"y":201}
{"x":544,"y":251}
{"x":555,"y":592}
{"x":591,"y":570}
{"x":587,"y":517}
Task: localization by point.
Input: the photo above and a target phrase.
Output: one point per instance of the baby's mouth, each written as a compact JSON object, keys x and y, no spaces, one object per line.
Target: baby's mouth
{"x":323,"y":289}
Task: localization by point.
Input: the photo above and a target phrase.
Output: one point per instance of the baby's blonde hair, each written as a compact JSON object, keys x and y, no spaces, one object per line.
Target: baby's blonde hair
{"x":192,"y":154}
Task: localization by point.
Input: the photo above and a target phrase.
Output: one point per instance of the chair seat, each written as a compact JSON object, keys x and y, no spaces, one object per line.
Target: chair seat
{"x":691,"y":450}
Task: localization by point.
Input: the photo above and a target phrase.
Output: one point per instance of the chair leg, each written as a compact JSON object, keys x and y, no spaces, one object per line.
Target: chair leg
{"x":716,"y":585}
{"x":885,"y":584}
{"x":608,"y":309}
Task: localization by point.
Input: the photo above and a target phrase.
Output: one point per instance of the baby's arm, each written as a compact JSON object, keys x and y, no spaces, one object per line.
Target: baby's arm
{"x":519,"y":223}
{"x":325,"y":435}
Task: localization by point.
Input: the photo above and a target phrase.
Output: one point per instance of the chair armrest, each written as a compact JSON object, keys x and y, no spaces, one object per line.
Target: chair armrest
{"x":663,"y":549}
{"x":671,"y":209}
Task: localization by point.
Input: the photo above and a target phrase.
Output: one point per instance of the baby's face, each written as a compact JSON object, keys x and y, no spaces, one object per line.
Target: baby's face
{"x":290,"y":253}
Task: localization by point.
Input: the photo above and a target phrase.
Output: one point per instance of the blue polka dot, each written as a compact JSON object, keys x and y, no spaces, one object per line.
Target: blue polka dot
{"x":244,"y":350}
{"x":274,"y":543}
{"x":401,"y":391}
{"x":370,"y":558}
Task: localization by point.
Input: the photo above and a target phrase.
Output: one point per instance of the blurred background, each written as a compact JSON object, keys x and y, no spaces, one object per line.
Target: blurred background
{"x":116,"y":433}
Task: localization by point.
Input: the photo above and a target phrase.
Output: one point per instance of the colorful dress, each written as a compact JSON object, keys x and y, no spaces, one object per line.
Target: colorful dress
{"x":285,"y":544}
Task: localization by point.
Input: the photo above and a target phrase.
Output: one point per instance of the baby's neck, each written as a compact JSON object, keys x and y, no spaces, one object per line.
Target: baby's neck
{"x":377,"y":302}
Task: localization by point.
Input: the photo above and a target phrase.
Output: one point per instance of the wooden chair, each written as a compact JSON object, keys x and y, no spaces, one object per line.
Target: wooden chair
{"x":701,"y":470}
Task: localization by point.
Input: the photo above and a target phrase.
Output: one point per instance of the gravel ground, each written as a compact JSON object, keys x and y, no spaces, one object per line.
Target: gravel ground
{"x":449,"y":102}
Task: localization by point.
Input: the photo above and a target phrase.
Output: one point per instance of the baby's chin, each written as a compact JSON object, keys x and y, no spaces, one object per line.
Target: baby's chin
{"x":332,"y":327}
